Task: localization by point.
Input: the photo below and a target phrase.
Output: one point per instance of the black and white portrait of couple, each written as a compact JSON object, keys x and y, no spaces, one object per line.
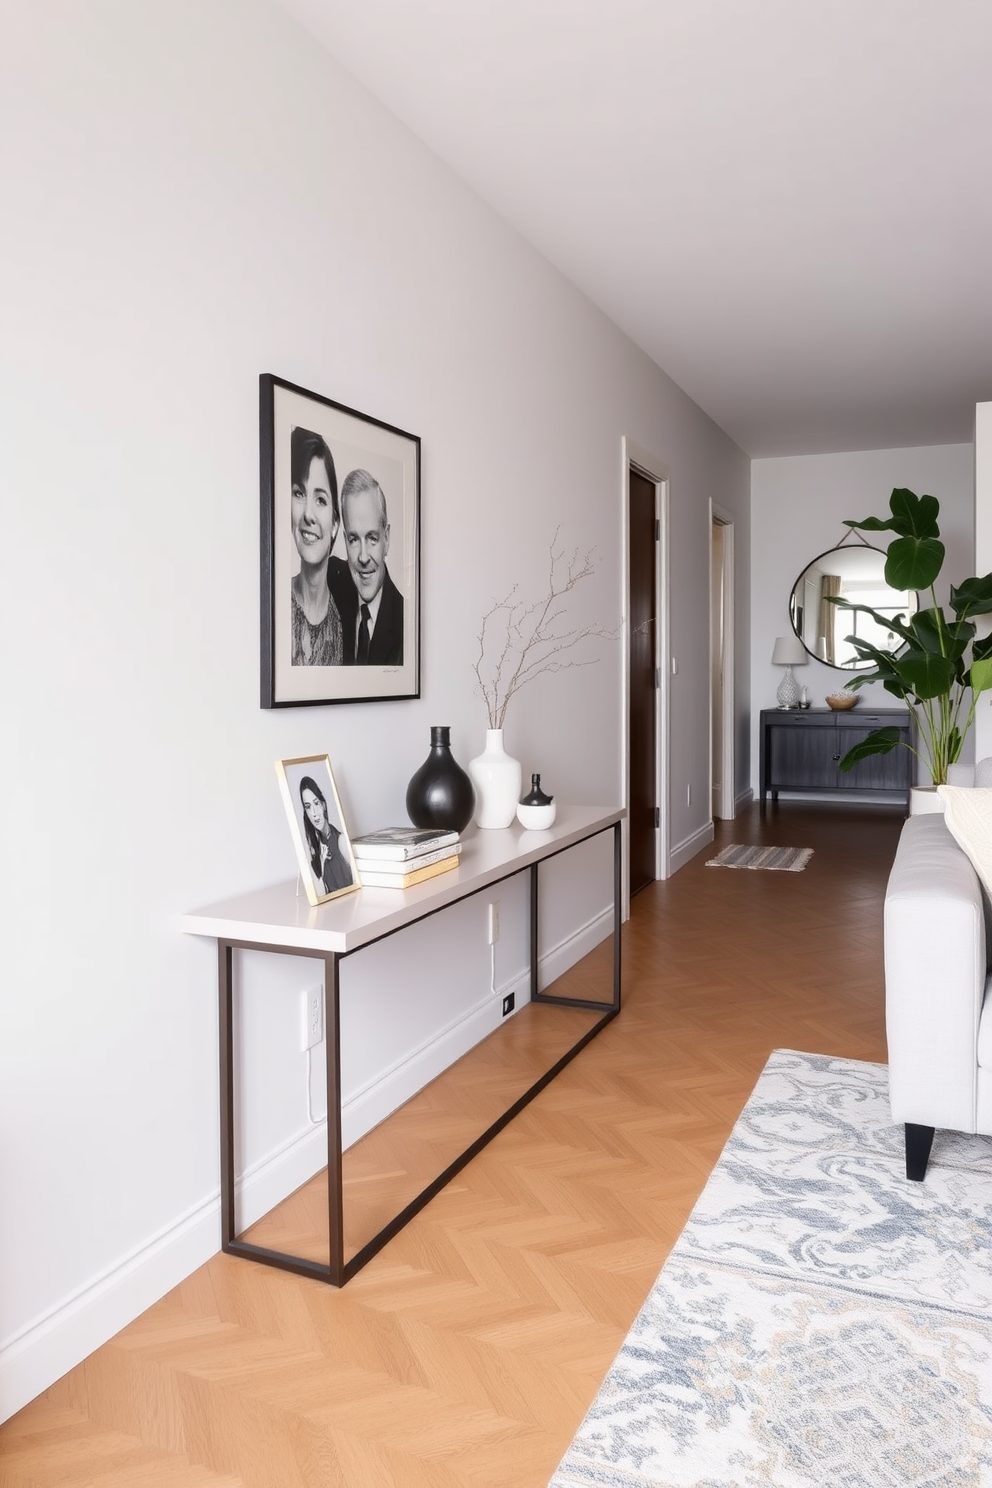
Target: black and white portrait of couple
{"x":340,"y":552}
{"x":323,"y":847}
{"x":346,"y":611}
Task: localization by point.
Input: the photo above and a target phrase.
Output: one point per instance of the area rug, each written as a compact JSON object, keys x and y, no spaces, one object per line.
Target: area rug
{"x":786,"y":859}
{"x":821,"y":1320}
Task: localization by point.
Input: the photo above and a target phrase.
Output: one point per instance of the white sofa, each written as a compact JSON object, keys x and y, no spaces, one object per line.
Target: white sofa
{"x":938,"y":1012}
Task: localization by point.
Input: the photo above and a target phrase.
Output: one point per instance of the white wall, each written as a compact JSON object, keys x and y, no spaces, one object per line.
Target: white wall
{"x":798,"y":507}
{"x":194,"y":195}
{"x":983,"y":550}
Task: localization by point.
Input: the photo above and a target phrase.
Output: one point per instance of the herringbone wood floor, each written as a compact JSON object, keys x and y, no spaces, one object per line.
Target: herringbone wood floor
{"x":465,"y":1354}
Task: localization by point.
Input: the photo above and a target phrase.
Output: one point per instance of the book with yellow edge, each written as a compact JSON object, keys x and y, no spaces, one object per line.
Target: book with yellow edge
{"x":371,"y":880}
{"x":409,"y":865}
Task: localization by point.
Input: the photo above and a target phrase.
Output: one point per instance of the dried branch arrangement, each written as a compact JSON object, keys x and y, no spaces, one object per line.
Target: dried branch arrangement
{"x":524,"y":640}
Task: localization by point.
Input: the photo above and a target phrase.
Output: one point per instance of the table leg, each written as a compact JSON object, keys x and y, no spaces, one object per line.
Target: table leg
{"x":335,"y":1183}
{"x":226,"y":1051}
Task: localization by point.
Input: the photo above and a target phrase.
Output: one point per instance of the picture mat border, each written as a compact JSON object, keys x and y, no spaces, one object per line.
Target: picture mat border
{"x":282,"y":406}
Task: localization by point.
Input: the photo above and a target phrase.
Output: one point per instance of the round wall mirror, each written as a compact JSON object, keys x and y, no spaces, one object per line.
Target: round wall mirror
{"x":856,"y":574}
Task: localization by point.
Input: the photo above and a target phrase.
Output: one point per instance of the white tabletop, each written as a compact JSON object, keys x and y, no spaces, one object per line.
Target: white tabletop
{"x":281,"y":915}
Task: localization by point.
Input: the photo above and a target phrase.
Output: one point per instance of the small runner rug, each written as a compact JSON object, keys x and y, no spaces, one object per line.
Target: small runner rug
{"x":821,"y":1320}
{"x":787,"y":859}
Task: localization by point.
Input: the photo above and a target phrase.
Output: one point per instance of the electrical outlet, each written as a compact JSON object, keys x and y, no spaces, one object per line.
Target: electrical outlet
{"x":509,"y":1002}
{"x":313,"y":1017}
{"x":494,"y":922}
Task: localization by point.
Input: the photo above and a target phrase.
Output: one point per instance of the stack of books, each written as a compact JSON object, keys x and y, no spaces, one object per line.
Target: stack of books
{"x":399,"y":857}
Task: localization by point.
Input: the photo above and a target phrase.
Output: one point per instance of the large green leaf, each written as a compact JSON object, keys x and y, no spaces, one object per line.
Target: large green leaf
{"x":932,"y":631}
{"x":884,"y":668}
{"x":881,"y":660}
{"x":912,"y":516}
{"x":880,"y":741}
{"x":913,"y":562}
{"x":981,"y":676}
{"x":872,"y":524}
{"x":898,"y":623}
{"x":973,"y":597}
{"x":925,"y":675}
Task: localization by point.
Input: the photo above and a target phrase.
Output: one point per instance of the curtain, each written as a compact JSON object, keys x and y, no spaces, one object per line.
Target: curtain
{"x":829,"y":584}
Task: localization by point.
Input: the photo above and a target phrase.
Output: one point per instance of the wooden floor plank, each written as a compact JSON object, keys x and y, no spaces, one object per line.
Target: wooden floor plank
{"x":467,"y":1351}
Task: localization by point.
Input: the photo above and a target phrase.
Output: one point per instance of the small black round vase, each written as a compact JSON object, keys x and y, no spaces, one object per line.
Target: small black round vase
{"x":441,"y":793}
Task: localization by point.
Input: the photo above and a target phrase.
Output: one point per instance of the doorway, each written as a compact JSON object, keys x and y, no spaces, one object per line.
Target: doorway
{"x":645,"y":712}
{"x":722,"y":763}
{"x":642,"y":803}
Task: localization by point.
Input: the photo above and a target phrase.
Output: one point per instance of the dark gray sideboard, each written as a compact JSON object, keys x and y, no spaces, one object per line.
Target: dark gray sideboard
{"x":802,"y":748}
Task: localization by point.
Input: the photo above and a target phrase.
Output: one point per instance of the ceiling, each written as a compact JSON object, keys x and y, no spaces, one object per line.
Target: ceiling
{"x":785,"y":203}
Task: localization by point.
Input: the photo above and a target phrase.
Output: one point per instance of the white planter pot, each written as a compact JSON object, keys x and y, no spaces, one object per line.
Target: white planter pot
{"x":923,"y":799}
{"x":496,"y":777}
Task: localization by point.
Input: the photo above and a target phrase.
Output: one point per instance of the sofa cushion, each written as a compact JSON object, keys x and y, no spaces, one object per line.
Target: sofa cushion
{"x":968,"y":814}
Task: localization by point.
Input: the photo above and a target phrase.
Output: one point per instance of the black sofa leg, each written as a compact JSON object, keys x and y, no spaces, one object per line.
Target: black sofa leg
{"x":919,"y":1140}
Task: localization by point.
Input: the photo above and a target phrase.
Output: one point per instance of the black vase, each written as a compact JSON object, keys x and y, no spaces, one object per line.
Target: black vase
{"x":440,"y":794}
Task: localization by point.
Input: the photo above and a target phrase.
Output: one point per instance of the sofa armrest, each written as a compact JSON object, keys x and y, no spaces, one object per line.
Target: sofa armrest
{"x":935,"y":972}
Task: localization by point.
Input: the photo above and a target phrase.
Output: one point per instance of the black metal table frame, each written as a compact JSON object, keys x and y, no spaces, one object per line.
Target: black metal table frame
{"x":338,"y":1270}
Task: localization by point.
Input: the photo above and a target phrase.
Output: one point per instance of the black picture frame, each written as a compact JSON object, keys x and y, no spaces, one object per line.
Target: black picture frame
{"x":310,"y":656}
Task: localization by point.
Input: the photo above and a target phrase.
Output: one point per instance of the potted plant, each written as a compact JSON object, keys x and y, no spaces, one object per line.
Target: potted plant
{"x":940,"y":659}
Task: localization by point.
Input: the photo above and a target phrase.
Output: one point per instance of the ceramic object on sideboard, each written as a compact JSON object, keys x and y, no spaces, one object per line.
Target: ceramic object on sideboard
{"x":841,"y":702}
{"x":536,"y":810}
{"x":440,"y":793}
{"x":496,"y":776}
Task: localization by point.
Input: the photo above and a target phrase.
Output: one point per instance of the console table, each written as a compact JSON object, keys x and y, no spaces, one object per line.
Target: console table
{"x":802,"y":748}
{"x":278,"y":920}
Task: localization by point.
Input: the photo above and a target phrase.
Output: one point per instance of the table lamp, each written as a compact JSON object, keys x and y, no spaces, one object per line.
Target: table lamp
{"x":789,"y":652}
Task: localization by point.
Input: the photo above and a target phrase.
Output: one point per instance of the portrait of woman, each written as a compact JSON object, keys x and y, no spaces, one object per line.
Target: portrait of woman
{"x":331,"y":870}
{"x":320,"y":836}
{"x":316,"y":516}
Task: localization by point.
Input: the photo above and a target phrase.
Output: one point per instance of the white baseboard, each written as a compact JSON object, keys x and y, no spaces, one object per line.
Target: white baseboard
{"x":685,"y":851}
{"x":54,"y":1343}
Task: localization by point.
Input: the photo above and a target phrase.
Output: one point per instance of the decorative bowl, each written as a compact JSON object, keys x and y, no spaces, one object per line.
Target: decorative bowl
{"x":841,"y":701}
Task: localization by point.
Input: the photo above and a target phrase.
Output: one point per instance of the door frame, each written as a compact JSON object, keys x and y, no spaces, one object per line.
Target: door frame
{"x":728,"y":798}
{"x":658,"y":473}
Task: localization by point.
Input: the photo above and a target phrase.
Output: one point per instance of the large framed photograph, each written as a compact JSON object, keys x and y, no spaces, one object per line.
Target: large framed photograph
{"x":323,"y":846}
{"x":340,"y":552}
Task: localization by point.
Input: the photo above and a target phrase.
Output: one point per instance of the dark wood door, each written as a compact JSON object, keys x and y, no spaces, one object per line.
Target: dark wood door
{"x":643,"y":693}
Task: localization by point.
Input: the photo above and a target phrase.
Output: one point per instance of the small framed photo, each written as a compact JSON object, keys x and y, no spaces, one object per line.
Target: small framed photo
{"x":340,"y":552}
{"x":323,"y":847}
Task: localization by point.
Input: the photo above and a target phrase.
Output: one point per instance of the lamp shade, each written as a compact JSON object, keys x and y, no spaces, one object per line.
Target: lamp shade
{"x":789,"y":651}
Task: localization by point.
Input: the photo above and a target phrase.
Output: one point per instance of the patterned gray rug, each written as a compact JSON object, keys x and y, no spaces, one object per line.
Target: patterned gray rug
{"x":786,"y":859}
{"x":821,"y":1320}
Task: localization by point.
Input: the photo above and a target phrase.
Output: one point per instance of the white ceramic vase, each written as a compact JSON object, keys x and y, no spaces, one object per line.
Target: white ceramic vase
{"x":496,"y":777}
